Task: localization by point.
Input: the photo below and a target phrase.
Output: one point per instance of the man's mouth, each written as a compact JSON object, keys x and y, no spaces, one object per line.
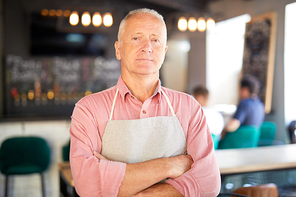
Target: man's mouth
{"x":144,"y":59}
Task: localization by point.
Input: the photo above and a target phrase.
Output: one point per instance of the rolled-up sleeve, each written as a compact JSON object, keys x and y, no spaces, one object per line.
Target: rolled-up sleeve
{"x":203,"y":179}
{"x":92,"y":177}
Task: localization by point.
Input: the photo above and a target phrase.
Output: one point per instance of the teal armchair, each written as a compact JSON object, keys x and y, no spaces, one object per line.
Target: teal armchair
{"x":24,"y":155}
{"x":216,"y":139}
{"x":267,"y":134}
{"x":66,"y":151}
{"x":245,"y":136}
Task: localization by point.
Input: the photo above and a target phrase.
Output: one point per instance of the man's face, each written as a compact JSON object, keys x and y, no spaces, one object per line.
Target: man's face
{"x":201,"y":100}
{"x":142,"y":46}
{"x":244,"y":93}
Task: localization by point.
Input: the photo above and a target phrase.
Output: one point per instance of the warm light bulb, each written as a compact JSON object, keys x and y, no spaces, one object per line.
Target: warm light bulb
{"x":210,"y":24}
{"x":52,"y":12}
{"x":66,"y":13}
{"x":201,"y":24}
{"x":97,"y":19}
{"x":192,"y":24}
{"x":108,"y":19}
{"x":74,"y":18}
{"x":182,"y":24}
{"x":44,"y":12}
{"x":59,"y":13}
{"x":85,"y":19}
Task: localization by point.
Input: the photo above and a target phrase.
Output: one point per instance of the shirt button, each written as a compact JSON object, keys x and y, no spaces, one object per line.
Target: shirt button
{"x":144,"y":111}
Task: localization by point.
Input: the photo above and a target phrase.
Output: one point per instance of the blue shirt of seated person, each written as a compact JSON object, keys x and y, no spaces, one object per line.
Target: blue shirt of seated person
{"x":250,"y":110}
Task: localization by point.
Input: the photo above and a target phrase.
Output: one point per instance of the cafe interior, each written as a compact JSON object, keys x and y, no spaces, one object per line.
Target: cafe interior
{"x":55,"y":52}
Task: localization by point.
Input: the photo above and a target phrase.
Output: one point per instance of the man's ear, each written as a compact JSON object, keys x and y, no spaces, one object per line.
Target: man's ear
{"x":117,"y":50}
{"x":166,"y":49}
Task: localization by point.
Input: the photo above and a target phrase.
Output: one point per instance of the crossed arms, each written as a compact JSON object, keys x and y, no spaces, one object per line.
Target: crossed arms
{"x":148,"y":174}
{"x":195,"y":174}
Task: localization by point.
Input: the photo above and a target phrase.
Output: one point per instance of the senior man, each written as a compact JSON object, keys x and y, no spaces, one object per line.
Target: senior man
{"x":139,"y":138}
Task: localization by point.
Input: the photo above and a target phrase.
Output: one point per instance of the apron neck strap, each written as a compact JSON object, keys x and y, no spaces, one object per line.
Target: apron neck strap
{"x":114,"y":100}
{"x":169,"y":103}
{"x":164,"y":94}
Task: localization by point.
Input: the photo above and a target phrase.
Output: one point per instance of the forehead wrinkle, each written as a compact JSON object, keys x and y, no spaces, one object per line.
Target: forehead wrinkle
{"x":144,"y":13}
{"x":142,"y":18}
{"x":141,"y":33}
{"x":139,"y":18}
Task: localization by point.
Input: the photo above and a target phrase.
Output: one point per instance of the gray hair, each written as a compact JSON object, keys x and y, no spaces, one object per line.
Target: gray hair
{"x":135,"y":12}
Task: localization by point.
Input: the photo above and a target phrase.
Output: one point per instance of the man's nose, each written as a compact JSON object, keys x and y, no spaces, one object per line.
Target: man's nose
{"x":147,"y":46}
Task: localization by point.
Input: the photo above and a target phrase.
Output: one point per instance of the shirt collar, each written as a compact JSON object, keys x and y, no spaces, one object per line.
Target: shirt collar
{"x":123,"y":89}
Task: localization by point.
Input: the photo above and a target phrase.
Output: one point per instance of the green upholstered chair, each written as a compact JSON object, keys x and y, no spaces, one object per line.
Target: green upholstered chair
{"x":24,"y":155}
{"x":66,"y":151}
{"x":216,"y":139}
{"x":267,"y":133}
{"x":245,"y":136}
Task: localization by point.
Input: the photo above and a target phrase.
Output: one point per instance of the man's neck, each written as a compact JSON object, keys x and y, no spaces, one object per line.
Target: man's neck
{"x":142,"y":87}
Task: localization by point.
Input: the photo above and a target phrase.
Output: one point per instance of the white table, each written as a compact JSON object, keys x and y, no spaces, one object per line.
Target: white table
{"x":238,"y":161}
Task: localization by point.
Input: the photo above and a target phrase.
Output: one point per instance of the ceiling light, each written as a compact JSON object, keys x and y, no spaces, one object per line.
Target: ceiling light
{"x":52,"y":12}
{"x":66,"y":13}
{"x":201,"y":24}
{"x":97,"y":19}
{"x":44,"y":12}
{"x":182,"y":24}
{"x":85,"y":19}
{"x":74,"y":18}
{"x":192,"y":24}
{"x":59,"y":13}
{"x":108,"y":19}
{"x":210,"y":24}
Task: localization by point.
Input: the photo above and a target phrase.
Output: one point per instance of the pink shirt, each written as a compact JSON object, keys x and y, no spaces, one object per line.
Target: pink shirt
{"x":94,"y":177}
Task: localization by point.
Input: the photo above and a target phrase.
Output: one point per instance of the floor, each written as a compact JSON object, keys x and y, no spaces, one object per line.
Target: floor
{"x":30,"y":185}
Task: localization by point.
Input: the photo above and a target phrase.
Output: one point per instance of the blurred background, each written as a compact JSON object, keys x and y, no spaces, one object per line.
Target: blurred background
{"x":50,"y":58}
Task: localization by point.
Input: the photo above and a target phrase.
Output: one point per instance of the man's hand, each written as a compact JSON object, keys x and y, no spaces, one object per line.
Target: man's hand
{"x":223,"y":134}
{"x":231,"y":126}
{"x":180,"y":165}
{"x":148,"y":173}
{"x":159,"y":190}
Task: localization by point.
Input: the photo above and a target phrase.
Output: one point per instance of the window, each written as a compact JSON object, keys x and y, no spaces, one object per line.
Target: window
{"x":225,"y":45}
{"x":290,"y":62}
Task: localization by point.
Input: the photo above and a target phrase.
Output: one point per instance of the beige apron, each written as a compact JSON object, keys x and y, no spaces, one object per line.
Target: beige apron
{"x":133,"y":141}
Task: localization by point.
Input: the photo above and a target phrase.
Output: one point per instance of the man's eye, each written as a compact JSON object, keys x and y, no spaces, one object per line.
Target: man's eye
{"x":135,"y":38}
{"x":155,"y":40}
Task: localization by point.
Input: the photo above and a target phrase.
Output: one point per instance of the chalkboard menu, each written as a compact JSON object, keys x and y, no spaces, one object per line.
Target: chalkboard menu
{"x":259,"y":53}
{"x":50,"y":86}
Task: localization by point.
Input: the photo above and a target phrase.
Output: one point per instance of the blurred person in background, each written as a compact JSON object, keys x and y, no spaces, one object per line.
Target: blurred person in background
{"x":250,"y":110}
{"x":215,"y":119}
